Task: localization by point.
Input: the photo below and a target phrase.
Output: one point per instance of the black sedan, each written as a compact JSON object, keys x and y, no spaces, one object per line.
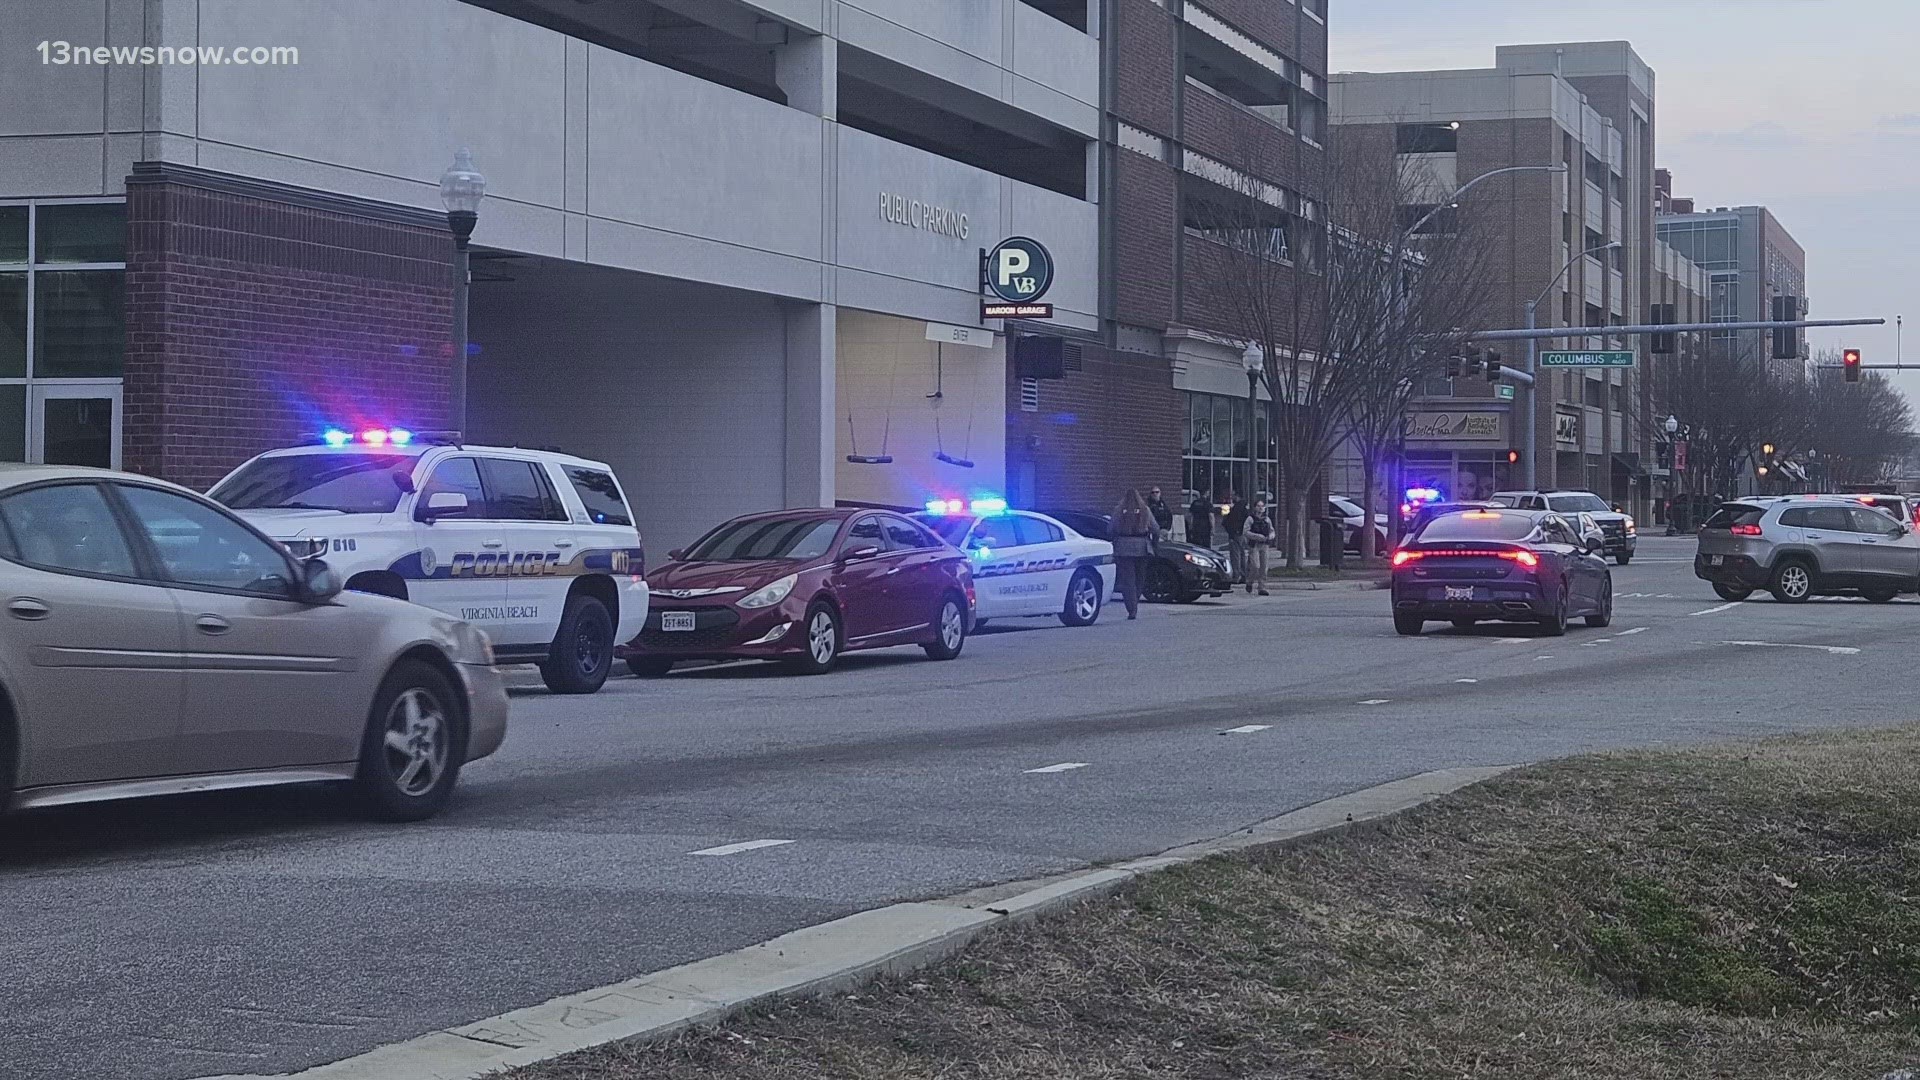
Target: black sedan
{"x":1176,"y":573}
{"x":1501,"y":565}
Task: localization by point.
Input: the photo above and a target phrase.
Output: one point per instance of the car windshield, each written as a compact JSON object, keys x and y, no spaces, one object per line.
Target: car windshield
{"x":767,"y":538}
{"x":1505,"y":500}
{"x":1478,"y":525}
{"x":1578,"y":504}
{"x":1346,"y":506}
{"x":347,"y":483}
{"x":951,"y":527}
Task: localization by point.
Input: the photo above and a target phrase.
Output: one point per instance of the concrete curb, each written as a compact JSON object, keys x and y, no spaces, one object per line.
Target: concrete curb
{"x":1346,"y":585}
{"x":830,"y":957}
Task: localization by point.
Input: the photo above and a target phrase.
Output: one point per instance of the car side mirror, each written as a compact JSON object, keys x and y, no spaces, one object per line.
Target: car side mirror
{"x":676,"y":554}
{"x":442,"y":504}
{"x":319,"y":583}
{"x":856,"y":554}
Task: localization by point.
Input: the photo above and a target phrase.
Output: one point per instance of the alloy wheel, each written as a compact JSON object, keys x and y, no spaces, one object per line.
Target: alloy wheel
{"x":820,"y":637}
{"x":1086,"y":599}
{"x":416,"y":741}
{"x":589,"y":646}
{"x":1795,"y":581}
{"x":952,"y":627}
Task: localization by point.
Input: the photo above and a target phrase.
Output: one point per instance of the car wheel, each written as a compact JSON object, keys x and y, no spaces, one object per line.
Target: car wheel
{"x":582,"y":652}
{"x":1408,"y":625}
{"x":1731,"y":592}
{"x":415,"y":740}
{"x":1555,"y":624}
{"x":1604,"y":616}
{"x":1879,"y":596}
{"x":949,"y":629}
{"x":1083,"y":599}
{"x":1465,"y":624}
{"x":649,"y":667}
{"x":1162,"y":585}
{"x":822,"y":642}
{"x":1792,"y":582}
{"x":1623,"y":559}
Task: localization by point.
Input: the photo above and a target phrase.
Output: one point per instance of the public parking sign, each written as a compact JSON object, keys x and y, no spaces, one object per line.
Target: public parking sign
{"x":1587,"y":358}
{"x":1013,"y":278}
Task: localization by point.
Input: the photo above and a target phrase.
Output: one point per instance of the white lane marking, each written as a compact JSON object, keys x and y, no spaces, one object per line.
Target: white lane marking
{"x":1510,"y":640}
{"x":1836,"y":650}
{"x":1246,"y":729}
{"x":1635,"y":630}
{"x":1711,"y":610}
{"x":1594,"y":642}
{"x":1064,"y":766}
{"x":1376,"y":701}
{"x":1549,"y":656}
{"x":744,"y":845}
{"x":1466,"y":680}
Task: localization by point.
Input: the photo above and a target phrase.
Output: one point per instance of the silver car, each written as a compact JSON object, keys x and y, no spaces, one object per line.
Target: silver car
{"x":1802,"y":546}
{"x":158,"y":644}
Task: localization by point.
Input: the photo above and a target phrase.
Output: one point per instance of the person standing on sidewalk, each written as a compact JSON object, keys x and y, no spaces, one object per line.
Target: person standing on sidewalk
{"x":1200,"y":520}
{"x":1134,"y":533}
{"x":1259,"y":545}
{"x":1162,"y":513}
{"x":1235,"y":523}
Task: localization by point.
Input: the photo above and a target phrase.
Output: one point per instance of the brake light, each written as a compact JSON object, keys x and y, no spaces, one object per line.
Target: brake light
{"x":1402,"y":557}
{"x":1525,"y":558}
{"x":1746,"y":530}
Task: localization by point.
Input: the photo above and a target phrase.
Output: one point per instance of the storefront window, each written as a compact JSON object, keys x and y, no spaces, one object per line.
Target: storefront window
{"x":13,"y":325}
{"x":81,"y":233}
{"x":13,"y":423}
{"x":79,"y":324}
{"x":13,"y":234}
{"x":62,"y":273}
{"x":1217,"y":459}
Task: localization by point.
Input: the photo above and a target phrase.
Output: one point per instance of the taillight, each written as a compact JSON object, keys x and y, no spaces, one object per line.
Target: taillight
{"x":1525,"y":558}
{"x":1746,"y":530}
{"x":1403,"y":557}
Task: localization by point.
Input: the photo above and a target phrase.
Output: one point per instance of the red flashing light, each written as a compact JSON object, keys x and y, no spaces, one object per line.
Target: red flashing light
{"x":1746,"y":530}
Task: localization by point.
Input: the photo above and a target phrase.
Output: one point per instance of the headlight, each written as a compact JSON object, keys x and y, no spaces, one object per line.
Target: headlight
{"x":307,"y":549}
{"x":471,"y":645}
{"x":770,"y":595}
{"x":1629,"y":524}
{"x":1197,"y":560}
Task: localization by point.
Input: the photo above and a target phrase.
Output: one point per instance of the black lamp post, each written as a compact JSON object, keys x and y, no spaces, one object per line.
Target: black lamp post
{"x":461,"y":189}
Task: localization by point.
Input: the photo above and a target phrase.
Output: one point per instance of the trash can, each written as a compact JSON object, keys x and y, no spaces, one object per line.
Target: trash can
{"x":1332,"y":543}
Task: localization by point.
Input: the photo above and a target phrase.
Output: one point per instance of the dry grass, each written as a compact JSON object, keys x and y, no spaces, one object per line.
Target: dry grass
{"x":1734,"y":912}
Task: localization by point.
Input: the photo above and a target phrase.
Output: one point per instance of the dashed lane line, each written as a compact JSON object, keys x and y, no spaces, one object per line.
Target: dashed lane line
{"x":1065,"y":766}
{"x":1712,"y":610}
{"x":1376,"y":701}
{"x":1836,"y":650}
{"x":744,"y":845}
{"x":1247,"y":729}
{"x":1635,"y":630}
{"x":1467,"y":680}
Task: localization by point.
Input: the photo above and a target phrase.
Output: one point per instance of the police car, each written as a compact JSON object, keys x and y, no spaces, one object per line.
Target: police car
{"x":1024,"y":563}
{"x":537,"y":548}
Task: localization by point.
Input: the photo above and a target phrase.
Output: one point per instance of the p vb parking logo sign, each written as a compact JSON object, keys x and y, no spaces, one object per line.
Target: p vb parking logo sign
{"x":1016,"y":273}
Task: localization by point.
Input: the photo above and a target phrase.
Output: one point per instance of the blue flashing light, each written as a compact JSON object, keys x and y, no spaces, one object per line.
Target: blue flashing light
{"x":1423,"y":494}
{"x":988,"y":506}
{"x":335,"y":437}
{"x":399,"y":436}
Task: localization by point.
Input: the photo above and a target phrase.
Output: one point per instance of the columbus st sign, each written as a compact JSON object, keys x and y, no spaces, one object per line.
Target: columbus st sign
{"x":1621,"y":358}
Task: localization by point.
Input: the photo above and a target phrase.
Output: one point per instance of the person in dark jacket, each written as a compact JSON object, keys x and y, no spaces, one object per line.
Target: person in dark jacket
{"x":1200,"y":520}
{"x":1134,"y":534}
{"x":1259,"y":534}
{"x":1162,"y":513}
{"x":1235,"y":522}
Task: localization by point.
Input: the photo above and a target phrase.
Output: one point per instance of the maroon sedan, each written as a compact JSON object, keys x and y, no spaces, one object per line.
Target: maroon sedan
{"x":804,"y":586}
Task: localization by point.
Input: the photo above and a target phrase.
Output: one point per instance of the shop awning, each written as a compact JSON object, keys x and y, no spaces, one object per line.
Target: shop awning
{"x":1631,"y":463}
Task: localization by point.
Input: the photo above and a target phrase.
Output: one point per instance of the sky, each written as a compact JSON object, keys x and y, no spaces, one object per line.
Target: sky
{"x":1808,"y":107}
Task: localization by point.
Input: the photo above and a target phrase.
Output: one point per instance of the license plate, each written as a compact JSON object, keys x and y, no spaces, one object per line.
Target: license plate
{"x":676,"y":620}
{"x":1459,"y":592}
{"x":1716,"y":560}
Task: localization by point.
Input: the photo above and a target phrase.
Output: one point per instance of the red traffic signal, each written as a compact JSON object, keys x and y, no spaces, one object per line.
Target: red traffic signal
{"x":1850,"y":360}
{"x":1513,"y":457}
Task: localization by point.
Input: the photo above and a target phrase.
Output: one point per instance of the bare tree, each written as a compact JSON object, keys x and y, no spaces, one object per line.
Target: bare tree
{"x":1861,"y":431}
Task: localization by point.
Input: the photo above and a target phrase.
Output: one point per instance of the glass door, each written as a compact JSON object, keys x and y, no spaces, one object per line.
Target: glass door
{"x":74,"y":424}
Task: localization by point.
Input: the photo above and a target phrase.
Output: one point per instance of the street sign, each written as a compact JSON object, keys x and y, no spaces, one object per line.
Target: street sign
{"x":1587,"y":358}
{"x":1504,"y":392}
{"x":991,"y":310}
{"x":1017,"y":271}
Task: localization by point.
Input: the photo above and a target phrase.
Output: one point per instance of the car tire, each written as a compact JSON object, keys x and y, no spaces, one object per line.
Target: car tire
{"x":649,"y":667}
{"x":1731,"y":592}
{"x":582,"y":653}
{"x":417,"y":726}
{"x":1555,"y":624}
{"x":1603,"y":618}
{"x":1465,"y":624}
{"x":1162,"y":585}
{"x":949,"y":629}
{"x":1880,"y":596}
{"x":1408,"y":625}
{"x":1792,"y":582}
{"x":1083,"y":599}
{"x":820,"y":641}
{"x":1623,"y":559}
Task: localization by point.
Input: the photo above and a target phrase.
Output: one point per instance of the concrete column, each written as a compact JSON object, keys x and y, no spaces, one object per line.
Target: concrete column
{"x":812,"y":345}
{"x":807,"y":70}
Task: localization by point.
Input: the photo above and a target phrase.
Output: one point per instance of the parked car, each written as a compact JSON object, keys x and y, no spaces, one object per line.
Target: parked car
{"x":1025,"y":564}
{"x":1352,"y":518}
{"x":536,"y":548}
{"x":1504,"y":565}
{"x":1177,"y":573}
{"x":158,"y":643}
{"x":1804,"y":546}
{"x":1621,"y":530}
{"x":802,"y":587}
{"x":1899,"y":507}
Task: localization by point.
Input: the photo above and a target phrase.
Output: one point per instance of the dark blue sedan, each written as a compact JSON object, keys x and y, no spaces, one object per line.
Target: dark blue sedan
{"x":1501,"y":565}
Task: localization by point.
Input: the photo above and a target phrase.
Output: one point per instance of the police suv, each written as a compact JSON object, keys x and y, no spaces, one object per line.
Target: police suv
{"x":1025,"y":563}
{"x":537,"y":548}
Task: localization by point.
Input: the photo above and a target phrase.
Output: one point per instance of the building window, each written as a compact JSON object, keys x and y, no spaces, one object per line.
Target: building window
{"x":1144,"y":143}
{"x":1596,"y":173}
{"x":62,"y":330}
{"x":1593,"y":394}
{"x":1426,"y":138}
{"x":1215,"y":458}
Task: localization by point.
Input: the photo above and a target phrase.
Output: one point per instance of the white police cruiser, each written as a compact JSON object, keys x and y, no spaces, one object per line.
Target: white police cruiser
{"x":1025,"y":563}
{"x":537,"y":548}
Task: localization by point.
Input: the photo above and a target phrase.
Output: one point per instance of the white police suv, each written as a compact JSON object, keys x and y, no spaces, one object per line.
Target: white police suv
{"x":537,"y":548}
{"x":1024,"y":563}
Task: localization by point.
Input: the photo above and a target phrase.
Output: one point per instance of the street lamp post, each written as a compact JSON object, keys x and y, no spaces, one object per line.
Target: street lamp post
{"x":1672,"y":427}
{"x":461,"y":189}
{"x":1533,"y":352}
{"x":1253,"y":358}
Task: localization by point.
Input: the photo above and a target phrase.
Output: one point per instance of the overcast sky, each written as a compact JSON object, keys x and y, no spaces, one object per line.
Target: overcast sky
{"x":1808,"y":107}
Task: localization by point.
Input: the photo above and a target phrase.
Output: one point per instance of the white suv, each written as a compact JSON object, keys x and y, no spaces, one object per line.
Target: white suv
{"x":536,"y":548}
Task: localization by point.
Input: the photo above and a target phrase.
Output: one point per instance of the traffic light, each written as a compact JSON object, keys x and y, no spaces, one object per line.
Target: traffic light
{"x":1453,"y":365}
{"x":1470,"y":362}
{"x":1850,"y":360}
{"x":1513,"y":457}
{"x":1493,"y":366}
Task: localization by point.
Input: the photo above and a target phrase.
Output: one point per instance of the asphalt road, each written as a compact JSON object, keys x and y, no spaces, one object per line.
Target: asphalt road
{"x":269,"y":931}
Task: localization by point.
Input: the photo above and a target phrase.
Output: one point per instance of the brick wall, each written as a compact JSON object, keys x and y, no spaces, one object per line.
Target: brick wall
{"x":254,"y":323}
{"x":1147,"y":47}
{"x":1115,"y":423}
{"x":1146,"y":232}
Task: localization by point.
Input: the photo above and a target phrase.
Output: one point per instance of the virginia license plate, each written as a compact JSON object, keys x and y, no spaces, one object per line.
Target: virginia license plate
{"x":676,"y":620}
{"x":1716,"y":560}
{"x":1459,"y":592}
